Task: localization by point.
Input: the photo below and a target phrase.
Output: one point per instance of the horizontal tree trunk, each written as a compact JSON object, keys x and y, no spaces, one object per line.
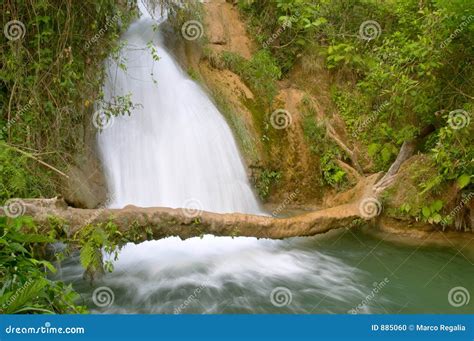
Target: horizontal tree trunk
{"x":160,"y":222}
{"x":166,"y":222}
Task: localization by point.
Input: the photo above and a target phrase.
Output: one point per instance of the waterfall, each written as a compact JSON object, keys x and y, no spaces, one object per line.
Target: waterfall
{"x":175,"y":149}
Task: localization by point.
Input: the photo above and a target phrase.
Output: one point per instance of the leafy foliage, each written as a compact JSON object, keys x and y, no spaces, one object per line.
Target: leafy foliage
{"x":265,"y":181}
{"x":93,"y":239}
{"x":50,"y":77}
{"x":14,"y":178}
{"x":24,"y":283}
{"x":332,"y":174}
{"x":431,"y":213}
{"x":260,"y":73}
{"x":406,"y":79}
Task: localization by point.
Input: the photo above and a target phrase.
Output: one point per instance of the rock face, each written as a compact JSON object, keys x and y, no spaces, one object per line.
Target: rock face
{"x":224,"y":27}
{"x":85,"y":187}
{"x":288,"y":151}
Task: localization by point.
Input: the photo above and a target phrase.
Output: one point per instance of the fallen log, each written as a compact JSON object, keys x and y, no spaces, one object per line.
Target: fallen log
{"x":166,"y":222}
{"x":160,"y":222}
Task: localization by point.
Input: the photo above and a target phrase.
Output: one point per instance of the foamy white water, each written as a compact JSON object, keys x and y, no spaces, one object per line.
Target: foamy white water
{"x":224,"y":275}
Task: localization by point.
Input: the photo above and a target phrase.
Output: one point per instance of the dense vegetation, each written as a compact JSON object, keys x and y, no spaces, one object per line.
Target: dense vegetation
{"x":51,"y":58}
{"x":24,"y":283}
{"x":398,"y":69}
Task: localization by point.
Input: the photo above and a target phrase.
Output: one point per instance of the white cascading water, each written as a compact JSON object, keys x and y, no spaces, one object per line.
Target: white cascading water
{"x":175,"y":149}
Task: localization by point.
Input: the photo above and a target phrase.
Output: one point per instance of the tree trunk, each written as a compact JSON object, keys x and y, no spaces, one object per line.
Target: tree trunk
{"x":164,"y":222}
{"x":406,"y":151}
{"x":159,"y":222}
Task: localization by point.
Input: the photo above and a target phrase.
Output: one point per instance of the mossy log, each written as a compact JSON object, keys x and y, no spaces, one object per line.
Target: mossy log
{"x":166,"y":222}
{"x":161,"y":222}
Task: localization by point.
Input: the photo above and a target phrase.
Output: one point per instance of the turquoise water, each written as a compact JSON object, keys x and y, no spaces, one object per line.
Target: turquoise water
{"x":346,"y":271}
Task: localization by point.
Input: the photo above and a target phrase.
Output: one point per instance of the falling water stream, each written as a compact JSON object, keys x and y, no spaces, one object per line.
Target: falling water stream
{"x":176,"y":150}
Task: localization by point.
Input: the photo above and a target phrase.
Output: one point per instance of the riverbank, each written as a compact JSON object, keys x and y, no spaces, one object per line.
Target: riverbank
{"x":421,"y":234}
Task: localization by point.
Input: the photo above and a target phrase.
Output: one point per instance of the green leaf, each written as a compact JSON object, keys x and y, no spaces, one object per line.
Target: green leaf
{"x":373,"y":149}
{"x":35,"y":238}
{"x":386,"y":154}
{"x":320,"y":21}
{"x":437,"y":218}
{"x":436,"y":206}
{"x":87,"y":255}
{"x":406,"y":207}
{"x":464,"y":180}
{"x":26,"y":294}
{"x":426,"y":211}
{"x":45,"y":263}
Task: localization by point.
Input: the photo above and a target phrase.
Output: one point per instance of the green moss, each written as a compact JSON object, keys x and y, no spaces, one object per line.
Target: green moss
{"x":244,"y":138}
{"x":260,"y":73}
{"x":194,"y":75}
{"x":235,"y":233}
{"x":259,"y":117}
